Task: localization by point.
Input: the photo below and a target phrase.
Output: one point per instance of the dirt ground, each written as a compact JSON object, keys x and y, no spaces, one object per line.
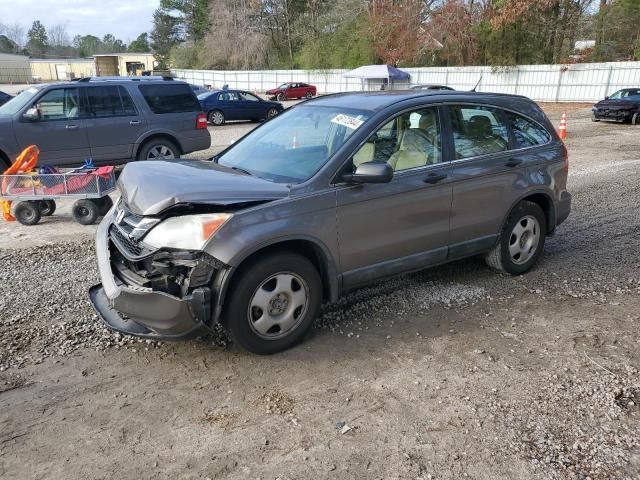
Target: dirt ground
{"x":455,"y":372}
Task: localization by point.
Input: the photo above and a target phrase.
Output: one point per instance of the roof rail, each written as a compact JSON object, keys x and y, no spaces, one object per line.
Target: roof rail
{"x":125,"y":79}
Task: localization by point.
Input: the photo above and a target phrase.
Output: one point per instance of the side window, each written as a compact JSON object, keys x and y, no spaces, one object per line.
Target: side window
{"x":477,"y":131}
{"x":527,"y":133}
{"x":231,"y":97}
{"x":104,"y":101}
{"x":248,"y":97}
{"x":410,"y":140}
{"x":127,"y":102}
{"x":60,"y":104}
{"x":168,"y":98}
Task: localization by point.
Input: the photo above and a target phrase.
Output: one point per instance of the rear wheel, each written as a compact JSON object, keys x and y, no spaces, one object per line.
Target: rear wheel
{"x":216,"y":117}
{"x":522,"y":240}
{"x":308,"y":95}
{"x":47,"y":207}
{"x":273,"y":303}
{"x":28,"y":213}
{"x":85,"y":212}
{"x":159,"y":149}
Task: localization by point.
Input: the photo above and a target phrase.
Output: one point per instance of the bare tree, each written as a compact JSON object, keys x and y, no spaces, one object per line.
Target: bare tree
{"x":16,"y":33}
{"x":58,"y":36}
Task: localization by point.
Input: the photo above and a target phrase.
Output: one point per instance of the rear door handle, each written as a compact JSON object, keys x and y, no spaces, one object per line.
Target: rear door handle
{"x":434,"y":178}
{"x":71,"y":127}
{"x":513,"y":162}
{"x":134,"y":122}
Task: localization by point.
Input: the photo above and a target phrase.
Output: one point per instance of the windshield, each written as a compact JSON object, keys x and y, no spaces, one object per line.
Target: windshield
{"x":283,"y":86}
{"x":16,"y":104}
{"x":293,"y":146}
{"x":625,"y":95}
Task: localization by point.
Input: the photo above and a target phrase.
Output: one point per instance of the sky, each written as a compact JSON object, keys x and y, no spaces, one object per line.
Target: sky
{"x":126,"y":19}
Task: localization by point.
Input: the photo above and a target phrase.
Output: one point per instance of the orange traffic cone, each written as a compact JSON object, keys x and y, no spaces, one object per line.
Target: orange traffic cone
{"x":562,"y":131}
{"x":294,"y":143}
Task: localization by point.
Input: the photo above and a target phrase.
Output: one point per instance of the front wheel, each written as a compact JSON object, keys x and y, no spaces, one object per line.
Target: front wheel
{"x":594,"y":118}
{"x":521,"y":241}
{"x":273,"y":303}
{"x":281,"y":97}
{"x":28,"y":213}
{"x":308,"y":95}
{"x":272,"y":113}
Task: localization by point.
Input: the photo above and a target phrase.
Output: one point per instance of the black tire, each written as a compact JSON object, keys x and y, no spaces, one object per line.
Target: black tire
{"x":240,"y":319}
{"x":47,"y":207}
{"x":501,"y":257}
{"x":281,"y":97}
{"x":28,"y":213}
{"x":271,"y":113}
{"x":594,"y":118}
{"x":85,"y":212}
{"x":308,"y":95}
{"x":104,"y":204}
{"x":635,"y":119}
{"x":154,"y":148}
{"x":216,"y":117}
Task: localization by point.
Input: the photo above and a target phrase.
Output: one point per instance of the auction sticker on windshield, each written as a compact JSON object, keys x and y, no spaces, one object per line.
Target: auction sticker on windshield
{"x":347,"y":121}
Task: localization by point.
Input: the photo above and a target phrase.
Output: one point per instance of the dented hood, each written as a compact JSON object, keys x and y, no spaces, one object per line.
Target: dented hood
{"x":150,"y":187}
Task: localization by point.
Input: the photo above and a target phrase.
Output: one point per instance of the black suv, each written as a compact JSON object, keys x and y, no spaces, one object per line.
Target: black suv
{"x":108,"y":119}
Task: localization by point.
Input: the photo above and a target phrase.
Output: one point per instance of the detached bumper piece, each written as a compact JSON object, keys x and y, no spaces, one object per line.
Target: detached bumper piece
{"x":160,"y":294}
{"x":166,"y":318}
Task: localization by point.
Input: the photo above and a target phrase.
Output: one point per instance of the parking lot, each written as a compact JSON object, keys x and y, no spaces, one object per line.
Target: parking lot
{"x":456,"y":372}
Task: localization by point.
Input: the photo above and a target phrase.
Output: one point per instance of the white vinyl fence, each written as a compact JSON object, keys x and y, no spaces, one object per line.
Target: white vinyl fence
{"x":587,"y":82}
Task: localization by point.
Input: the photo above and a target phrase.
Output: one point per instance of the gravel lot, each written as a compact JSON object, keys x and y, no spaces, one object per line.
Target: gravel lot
{"x":455,"y":372}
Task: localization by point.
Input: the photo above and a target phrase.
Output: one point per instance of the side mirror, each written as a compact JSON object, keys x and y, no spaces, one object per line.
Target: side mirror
{"x":370,"y":172}
{"x":33,"y":115}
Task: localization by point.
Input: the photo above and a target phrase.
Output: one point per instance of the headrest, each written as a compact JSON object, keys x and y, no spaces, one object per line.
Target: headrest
{"x":479,"y":126}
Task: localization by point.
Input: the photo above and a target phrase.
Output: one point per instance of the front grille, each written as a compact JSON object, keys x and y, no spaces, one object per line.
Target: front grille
{"x":128,"y":247}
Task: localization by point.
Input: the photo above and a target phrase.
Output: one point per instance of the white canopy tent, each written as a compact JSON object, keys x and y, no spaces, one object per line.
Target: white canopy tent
{"x":377,"y":72}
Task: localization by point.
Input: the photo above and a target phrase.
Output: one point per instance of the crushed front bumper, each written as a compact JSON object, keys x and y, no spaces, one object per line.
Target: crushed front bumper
{"x":145,"y":312}
{"x":613,"y":115}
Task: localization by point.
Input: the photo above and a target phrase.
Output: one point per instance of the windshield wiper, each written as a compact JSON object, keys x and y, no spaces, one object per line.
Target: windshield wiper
{"x":242,"y":170}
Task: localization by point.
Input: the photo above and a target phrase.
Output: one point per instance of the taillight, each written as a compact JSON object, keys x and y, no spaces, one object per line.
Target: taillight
{"x":201,"y":121}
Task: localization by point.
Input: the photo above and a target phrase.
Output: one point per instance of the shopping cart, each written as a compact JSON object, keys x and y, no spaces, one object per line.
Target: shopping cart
{"x":36,"y":193}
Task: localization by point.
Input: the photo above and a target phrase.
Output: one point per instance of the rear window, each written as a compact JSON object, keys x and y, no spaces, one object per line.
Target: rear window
{"x":166,"y":98}
{"x":527,"y":133}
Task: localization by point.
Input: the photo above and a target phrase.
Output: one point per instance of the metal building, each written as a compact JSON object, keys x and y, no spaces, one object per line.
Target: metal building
{"x":14,"y":68}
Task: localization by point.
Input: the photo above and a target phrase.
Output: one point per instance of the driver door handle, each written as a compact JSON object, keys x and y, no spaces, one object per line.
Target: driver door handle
{"x":434,"y":178}
{"x":71,"y":127}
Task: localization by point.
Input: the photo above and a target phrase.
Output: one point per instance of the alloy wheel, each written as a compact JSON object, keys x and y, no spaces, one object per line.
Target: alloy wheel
{"x":278,"y":305}
{"x":160,"y":152}
{"x":524,"y":240}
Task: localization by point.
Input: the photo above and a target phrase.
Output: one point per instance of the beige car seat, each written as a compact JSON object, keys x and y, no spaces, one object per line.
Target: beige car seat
{"x":365,"y":154}
{"x":483,"y":139}
{"x":417,"y":145}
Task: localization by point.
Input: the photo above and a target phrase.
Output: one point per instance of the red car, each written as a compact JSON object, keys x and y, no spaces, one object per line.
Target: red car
{"x":291,"y":90}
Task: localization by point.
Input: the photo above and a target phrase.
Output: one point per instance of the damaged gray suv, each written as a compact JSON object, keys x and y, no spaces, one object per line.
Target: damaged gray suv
{"x":329,"y":196}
